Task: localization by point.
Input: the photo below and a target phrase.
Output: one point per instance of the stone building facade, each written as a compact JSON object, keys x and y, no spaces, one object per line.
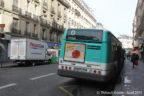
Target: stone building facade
{"x":80,"y":15}
{"x":138,"y":24}
{"x":41,"y":20}
{"x":126,"y":41}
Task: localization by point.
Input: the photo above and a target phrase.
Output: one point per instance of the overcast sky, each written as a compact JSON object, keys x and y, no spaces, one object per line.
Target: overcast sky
{"x":116,"y":15}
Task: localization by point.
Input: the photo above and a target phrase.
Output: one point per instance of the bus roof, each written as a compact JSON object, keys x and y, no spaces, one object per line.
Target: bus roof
{"x":87,"y":29}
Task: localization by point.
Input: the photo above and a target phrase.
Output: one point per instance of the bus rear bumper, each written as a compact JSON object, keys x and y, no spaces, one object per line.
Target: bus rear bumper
{"x":84,"y":75}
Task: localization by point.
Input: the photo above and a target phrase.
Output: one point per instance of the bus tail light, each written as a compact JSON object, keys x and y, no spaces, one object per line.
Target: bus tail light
{"x":99,"y":72}
{"x":66,"y":67}
{"x":94,"y":71}
{"x":62,"y":67}
{"x":70,"y":68}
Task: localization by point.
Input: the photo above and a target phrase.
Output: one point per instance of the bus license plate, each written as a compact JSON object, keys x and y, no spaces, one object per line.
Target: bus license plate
{"x":80,"y":69}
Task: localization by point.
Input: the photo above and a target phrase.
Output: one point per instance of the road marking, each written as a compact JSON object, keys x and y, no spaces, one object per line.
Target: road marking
{"x":8,"y":85}
{"x":66,"y":91}
{"x":42,"y":76}
{"x":126,"y":80}
{"x":71,"y":86}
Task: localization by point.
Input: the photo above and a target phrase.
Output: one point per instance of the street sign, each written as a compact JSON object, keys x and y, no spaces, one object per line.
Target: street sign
{"x":2,"y":25}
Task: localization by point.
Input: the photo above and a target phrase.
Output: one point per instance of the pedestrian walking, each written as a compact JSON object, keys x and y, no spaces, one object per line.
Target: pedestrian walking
{"x":134,"y":59}
{"x":128,"y":55}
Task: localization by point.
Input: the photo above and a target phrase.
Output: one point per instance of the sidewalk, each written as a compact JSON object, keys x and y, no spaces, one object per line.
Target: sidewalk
{"x":6,"y":64}
{"x":133,"y":80}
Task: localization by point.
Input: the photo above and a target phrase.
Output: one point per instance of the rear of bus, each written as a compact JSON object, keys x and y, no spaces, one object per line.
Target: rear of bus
{"x":84,"y":54}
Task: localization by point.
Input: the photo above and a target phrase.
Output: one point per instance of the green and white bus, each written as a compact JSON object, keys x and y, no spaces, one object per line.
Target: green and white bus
{"x":90,"y":54}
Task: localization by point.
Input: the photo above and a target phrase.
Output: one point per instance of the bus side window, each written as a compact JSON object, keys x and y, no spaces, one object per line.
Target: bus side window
{"x":115,"y":53}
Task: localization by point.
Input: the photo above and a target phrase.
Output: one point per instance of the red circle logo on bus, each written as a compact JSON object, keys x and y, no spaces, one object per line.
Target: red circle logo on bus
{"x":75,"y":54}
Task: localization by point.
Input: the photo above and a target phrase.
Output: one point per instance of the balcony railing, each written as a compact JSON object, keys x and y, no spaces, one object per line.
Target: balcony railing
{"x":43,"y":21}
{"x":43,"y":38}
{"x":36,"y":0}
{"x":35,"y":17}
{"x":52,"y":10}
{"x":1,"y":3}
{"x":34,"y":35}
{"x":28,"y":14}
{"x":16,"y":9}
{"x":54,"y":25}
{"x":16,"y":31}
{"x":59,"y":14}
{"x":61,"y":27}
{"x":48,"y":24}
{"x":140,"y":27}
{"x":64,"y":2}
{"x":45,"y":4}
{"x":77,"y":12}
{"x":82,"y":7}
{"x":65,"y":17}
{"x":27,"y":34}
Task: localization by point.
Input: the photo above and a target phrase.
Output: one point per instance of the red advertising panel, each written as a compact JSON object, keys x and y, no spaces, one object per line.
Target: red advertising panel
{"x":2,"y":25}
{"x":74,"y":52}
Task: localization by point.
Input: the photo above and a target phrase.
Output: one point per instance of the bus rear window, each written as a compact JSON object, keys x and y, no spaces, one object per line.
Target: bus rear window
{"x":84,"y":34}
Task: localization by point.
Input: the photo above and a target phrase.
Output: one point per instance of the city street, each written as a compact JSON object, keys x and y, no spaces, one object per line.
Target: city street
{"x":90,"y":39}
{"x":42,"y":80}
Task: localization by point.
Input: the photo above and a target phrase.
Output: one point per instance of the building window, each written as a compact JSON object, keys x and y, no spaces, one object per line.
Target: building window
{"x":52,"y":3}
{"x":45,"y":1}
{"x":36,"y":10}
{"x":15,"y":3}
{"x":27,"y":27}
{"x":69,"y":23}
{"x":59,"y":10}
{"x":53,"y":36}
{"x":35,"y":32}
{"x":57,"y":39}
{"x":52,"y":16}
{"x":50,"y":36}
{"x":43,"y":34}
{"x":44,"y":14}
{"x":52,"y":6}
{"x":15,"y":23}
{"x":15,"y":26}
{"x":64,"y":13}
{"x":28,"y":5}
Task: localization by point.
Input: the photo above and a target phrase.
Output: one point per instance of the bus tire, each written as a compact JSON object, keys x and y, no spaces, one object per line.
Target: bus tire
{"x":115,"y":73}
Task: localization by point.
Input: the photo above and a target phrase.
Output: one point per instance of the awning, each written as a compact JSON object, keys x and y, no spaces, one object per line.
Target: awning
{"x":53,"y":45}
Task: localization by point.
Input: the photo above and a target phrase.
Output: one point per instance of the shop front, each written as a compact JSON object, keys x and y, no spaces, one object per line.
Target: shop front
{"x":4,"y":47}
{"x":54,"y":51}
{"x":53,"y":46}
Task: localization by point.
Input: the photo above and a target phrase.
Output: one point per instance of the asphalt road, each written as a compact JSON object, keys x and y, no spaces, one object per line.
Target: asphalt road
{"x":42,"y":80}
